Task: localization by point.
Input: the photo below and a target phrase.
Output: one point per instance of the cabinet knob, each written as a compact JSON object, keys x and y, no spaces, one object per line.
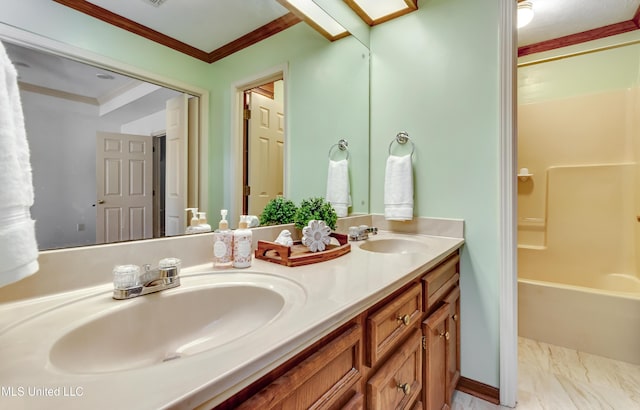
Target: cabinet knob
{"x":445,"y":335}
{"x":455,"y":317}
{"x":405,"y":387}
{"x":406,"y":319}
{"x":101,"y":201}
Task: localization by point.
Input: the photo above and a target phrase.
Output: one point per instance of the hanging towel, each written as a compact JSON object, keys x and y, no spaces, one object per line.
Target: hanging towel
{"x":18,"y":247}
{"x":398,"y":189}
{"x":338,"y":191}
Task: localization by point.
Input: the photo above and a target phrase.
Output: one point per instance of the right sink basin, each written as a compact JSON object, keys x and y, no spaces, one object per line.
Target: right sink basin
{"x":394,"y":245}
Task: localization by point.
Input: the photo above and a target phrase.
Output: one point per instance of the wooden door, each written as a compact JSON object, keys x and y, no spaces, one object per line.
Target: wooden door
{"x":124,"y":186}
{"x":266,"y":152}
{"x":177,"y":141}
{"x":435,"y":332}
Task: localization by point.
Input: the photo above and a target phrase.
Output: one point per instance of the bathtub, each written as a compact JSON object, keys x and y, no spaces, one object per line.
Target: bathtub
{"x":578,"y":285}
{"x":604,"y":321}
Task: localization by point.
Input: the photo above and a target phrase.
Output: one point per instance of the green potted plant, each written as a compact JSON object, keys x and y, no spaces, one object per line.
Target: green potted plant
{"x":278,"y":211}
{"x":315,"y":209}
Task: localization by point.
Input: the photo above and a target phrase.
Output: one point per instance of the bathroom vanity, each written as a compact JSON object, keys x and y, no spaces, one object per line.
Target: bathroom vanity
{"x":376,"y":328}
{"x":401,"y":353}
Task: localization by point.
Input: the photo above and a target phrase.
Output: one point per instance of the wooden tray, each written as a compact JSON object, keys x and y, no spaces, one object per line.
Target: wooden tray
{"x":298,"y":254}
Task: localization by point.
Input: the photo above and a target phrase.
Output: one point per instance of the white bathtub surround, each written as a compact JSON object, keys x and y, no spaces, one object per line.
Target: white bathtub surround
{"x":398,"y":188}
{"x":18,"y":247}
{"x":591,"y":320}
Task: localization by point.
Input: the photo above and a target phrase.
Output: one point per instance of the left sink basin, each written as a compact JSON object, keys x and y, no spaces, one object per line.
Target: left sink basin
{"x":172,"y":324}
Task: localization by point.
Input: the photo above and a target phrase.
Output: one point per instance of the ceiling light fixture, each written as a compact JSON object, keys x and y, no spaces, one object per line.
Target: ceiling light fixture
{"x":103,"y":76}
{"x":156,"y":3}
{"x":525,"y":12}
{"x":317,"y":18}
{"x":375,"y":11}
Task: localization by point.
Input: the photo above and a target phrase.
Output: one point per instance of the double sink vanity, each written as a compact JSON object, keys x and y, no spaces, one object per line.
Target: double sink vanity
{"x":376,"y":328}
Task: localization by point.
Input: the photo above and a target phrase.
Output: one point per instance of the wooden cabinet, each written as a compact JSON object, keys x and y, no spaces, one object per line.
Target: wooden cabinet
{"x":398,"y":383}
{"x":402,"y":353}
{"x":328,"y":379}
{"x":435,"y":331}
{"x":441,"y":332}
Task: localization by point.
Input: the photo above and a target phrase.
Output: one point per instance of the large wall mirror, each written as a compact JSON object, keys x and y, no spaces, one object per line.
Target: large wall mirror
{"x":326,"y":100}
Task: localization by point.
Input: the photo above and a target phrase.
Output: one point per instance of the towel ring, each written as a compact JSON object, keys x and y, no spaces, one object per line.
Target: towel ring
{"x":402,"y":138}
{"x":342,"y":145}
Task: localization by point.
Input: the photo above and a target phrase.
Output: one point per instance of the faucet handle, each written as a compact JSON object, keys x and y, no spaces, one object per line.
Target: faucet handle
{"x":126,"y":276}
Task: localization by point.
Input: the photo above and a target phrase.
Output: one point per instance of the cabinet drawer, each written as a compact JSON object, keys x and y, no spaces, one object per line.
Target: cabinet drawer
{"x":326,"y":380}
{"x":398,"y":383}
{"x":393,"y":321}
{"x":439,"y":281}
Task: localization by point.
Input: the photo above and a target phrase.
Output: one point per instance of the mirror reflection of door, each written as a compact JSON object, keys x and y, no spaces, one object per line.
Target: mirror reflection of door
{"x":134,"y":171}
{"x":263,"y":146}
{"x":124,"y":166}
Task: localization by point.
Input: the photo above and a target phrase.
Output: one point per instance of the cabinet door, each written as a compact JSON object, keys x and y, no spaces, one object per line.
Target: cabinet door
{"x":453,"y":344}
{"x":328,"y":379}
{"x":436,"y":338}
{"x":398,"y":383}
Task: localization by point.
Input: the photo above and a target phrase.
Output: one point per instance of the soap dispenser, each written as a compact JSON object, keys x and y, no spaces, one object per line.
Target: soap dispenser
{"x":223,"y":243}
{"x":242,"y":238}
{"x":203,"y":226}
{"x":193,"y":225}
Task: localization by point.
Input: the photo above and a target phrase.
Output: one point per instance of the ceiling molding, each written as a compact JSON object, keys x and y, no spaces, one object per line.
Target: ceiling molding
{"x":589,"y":35}
{"x":255,"y":36}
{"x":57,"y":93}
{"x":117,"y":20}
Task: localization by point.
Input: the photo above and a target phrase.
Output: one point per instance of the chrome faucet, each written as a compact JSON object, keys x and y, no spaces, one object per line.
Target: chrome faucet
{"x":130,"y":283}
{"x":360,"y":233}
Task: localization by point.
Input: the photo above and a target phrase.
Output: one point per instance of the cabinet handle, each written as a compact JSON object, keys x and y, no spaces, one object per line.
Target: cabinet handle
{"x":405,"y":387}
{"x":406,"y":319}
{"x":445,"y":335}
{"x":101,"y":201}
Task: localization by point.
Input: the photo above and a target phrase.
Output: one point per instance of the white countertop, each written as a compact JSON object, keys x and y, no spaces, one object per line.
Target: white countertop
{"x":331,"y":293}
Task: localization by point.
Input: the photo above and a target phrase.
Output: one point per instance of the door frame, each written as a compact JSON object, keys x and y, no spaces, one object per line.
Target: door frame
{"x":508,"y":263}
{"x":236,"y":142}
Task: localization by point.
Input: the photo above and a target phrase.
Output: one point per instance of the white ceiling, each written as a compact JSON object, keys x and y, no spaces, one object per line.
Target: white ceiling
{"x":558,"y":18}
{"x":41,"y":69}
{"x":203,"y":24}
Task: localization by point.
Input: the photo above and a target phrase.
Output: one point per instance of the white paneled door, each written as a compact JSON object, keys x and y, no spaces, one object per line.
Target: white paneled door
{"x":124,"y":187}
{"x":266,"y":152}
{"x":176,"y":165}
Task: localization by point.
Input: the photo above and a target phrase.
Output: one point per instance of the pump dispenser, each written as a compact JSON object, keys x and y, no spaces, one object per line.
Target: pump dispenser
{"x":242,"y":241}
{"x":193,"y":225}
{"x":223,"y":243}
{"x":203,"y":226}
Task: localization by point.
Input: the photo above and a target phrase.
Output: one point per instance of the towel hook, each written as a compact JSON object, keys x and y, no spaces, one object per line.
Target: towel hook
{"x":342,"y":145}
{"x":402,"y":138}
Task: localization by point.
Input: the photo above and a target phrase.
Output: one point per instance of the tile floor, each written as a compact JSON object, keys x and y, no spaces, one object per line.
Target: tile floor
{"x":556,"y":378}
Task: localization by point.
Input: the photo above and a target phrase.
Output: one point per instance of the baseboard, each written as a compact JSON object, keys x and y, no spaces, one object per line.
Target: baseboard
{"x":479,"y":390}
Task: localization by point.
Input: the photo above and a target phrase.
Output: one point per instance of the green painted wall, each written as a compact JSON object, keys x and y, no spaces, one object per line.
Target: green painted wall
{"x":435,"y":75}
{"x":326,"y":98}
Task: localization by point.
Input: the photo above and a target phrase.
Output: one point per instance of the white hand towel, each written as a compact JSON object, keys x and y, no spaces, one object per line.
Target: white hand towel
{"x":398,"y":189}
{"x":338,"y":190}
{"x":18,"y":247}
